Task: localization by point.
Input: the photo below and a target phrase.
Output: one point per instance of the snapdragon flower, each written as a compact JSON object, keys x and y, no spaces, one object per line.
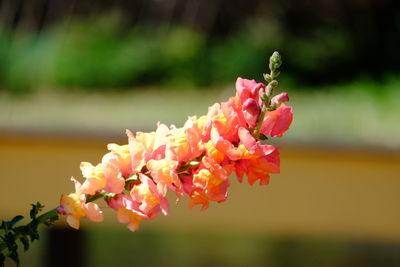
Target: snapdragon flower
{"x":195,"y":160}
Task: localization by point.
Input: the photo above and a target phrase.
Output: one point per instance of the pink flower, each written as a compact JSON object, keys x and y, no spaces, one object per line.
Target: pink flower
{"x":195,"y":160}
{"x":146,"y":193}
{"x":252,"y":145}
{"x":121,"y":157}
{"x":277,"y":122}
{"x":164,"y":174}
{"x":250,"y":112}
{"x":115,"y":182}
{"x":146,"y":146}
{"x":248,"y":92}
{"x":246,"y":89}
{"x":194,"y":135}
{"x":128,"y":211}
{"x":279,"y":99}
{"x":74,"y":206}
{"x":178,"y":147}
{"x":95,"y":179}
{"x":213,"y":152}
{"x":225,"y":119}
{"x":102,"y":176}
{"x":258,"y":168}
{"x":210,"y":183}
{"x":225,"y":146}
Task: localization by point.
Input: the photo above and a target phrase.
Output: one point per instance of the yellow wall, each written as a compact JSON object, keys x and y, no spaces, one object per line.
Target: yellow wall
{"x":321,"y":191}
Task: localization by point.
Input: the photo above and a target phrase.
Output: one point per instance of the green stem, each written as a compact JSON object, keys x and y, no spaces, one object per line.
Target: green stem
{"x":275,"y":62}
{"x":260,"y":121}
{"x":98,"y":195}
{"x":41,"y":219}
{"x":46,"y":216}
{"x":265,"y":107}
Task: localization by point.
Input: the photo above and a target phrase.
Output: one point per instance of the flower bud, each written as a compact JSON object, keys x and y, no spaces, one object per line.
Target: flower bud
{"x":262,"y":94}
{"x":250,"y":111}
{"x":267,"y":77}
{"x":251,"y":106}
{"x":256,"y":89}
{"x":279,"y":99}
{"x":268,"y":90}
{"x":275,"y":61}
{"x":274,"y":83}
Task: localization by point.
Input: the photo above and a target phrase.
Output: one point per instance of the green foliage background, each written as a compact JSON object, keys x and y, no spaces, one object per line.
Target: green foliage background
{"x":100,"y":53}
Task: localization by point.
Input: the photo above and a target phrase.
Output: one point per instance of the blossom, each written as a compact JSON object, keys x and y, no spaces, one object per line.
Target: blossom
{"x":258,"y":168}
{"x":248,"y":93}
{"x":178,"y":147}
{"x":164,"y":174}
{"x":210,"y":183}
{"x":128,"y":211}
{"x":95,"y":179}
{"x":151,"y":201}
{"x":277,"y":122}
{"x":73,"y":205}
{"x":195,"y":160}
{"x":279,"y":99}
{"x":120,"y":156}
{"x":105,"y":175}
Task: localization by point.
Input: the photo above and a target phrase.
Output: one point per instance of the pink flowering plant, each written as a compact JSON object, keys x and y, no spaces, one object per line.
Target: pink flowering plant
{"x":194,"y":161}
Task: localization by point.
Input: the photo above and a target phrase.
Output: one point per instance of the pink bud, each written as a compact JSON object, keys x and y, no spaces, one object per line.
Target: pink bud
{"x":251,"y":106}
{"x":257,"y":88}
{"x":250,"y":111}
{"x":61,"y":210}
{"x":279,"y":99}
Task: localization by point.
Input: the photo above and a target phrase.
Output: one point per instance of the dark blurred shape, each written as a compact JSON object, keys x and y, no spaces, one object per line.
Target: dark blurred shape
{"x":65,"y":247}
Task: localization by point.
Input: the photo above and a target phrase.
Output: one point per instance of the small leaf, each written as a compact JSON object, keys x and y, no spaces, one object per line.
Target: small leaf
{"x":10,"y":241}
{"x":33,"y":234}
{"x":36,"y":208}
{"x":51,"y":220}
{"x":25,"y":241}
{"x":16,"y":219}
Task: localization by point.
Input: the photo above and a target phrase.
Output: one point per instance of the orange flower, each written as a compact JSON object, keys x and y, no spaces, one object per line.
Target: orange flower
{"x":102,"y":176}
{"x":146,"y":193}
{"x":74,"y":206}
{"x":164,"y":174}
{"x":258,"y":168}
{"x":210,"y":183}
{"x":195,"y":160}
{"x":178,"y":147}
{"x":278,"y":121}
{"x":128,"y":211}
{"x":95,"y":179}
{"x":121,"y":157}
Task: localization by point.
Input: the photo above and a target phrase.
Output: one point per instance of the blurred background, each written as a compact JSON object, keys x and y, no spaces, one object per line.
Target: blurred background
{"x":75,"y":74}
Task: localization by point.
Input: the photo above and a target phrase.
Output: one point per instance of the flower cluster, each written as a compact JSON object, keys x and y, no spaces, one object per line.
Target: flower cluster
{"x":195,"y":160}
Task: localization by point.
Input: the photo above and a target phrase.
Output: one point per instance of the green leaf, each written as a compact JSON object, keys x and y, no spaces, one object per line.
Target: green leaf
{"x":51,"y":220}
{"x":12,"y":247}
{"x":25,"y":241}
{"x":15,"y":220}
{"x":36,"y":208}
{"x":10,"y":241}
{"x":33,"y":234}
{"x":3,"y":226}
